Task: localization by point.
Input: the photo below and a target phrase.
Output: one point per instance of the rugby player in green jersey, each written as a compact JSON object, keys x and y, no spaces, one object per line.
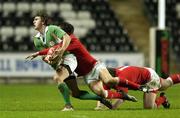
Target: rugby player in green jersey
{"x":48,"y":36}
{"x":44,"y":39}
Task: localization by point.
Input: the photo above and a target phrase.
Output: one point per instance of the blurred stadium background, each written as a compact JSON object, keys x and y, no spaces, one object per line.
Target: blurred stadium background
{"x":116,"y":31}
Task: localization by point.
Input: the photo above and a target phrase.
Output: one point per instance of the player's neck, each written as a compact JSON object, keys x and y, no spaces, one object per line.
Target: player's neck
{"x":42,"y":30}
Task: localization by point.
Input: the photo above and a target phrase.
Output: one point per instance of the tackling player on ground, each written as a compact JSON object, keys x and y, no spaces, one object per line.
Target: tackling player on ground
{"x":147,"y":76}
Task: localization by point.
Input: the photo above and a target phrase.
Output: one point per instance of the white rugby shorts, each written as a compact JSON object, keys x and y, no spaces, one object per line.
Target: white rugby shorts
{"x":94,"y":74}
{"x":69,"y":60}
{"x":154,"y":82}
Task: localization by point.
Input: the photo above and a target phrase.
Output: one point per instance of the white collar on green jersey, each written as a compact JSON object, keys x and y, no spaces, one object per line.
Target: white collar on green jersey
{"x":45,"y":31}
{"x":40,"y":36}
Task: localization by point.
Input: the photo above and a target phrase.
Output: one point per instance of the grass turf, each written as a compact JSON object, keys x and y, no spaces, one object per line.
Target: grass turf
{"x":44,"y":101}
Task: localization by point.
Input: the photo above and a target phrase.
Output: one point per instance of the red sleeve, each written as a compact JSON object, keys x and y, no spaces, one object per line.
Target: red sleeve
{"x":45,"y":51}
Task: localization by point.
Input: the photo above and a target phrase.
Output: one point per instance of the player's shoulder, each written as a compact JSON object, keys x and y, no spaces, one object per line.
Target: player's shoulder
{"x":52,"y":27}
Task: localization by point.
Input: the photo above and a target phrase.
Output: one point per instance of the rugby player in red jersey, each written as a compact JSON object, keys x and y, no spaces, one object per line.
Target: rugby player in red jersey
{"x":147,"y":76}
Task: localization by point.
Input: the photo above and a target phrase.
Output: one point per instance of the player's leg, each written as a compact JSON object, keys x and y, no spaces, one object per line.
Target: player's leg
{"x":66,"y":67}
{"x":149,"y":100}
{"x":165,"y":83}
{"x":97,"y":87}
{"x":171,"y":80}
{"x":84,"y":95}
{"x":94,"y":81}
{"x":77,"y":93}
{"x":70,"y":63}
{"x":64,"y":90}
{"x":63,"y":71}
{"x":175,"y":78}
{"x":107,"y":78}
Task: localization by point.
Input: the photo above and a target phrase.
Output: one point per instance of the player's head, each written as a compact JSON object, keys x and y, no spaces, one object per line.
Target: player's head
{"x":67,"y":27}
{"x":162,"y":94}
{"x":40,"y":19}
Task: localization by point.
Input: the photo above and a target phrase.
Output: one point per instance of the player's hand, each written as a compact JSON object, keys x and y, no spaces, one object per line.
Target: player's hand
{"x":147,"y":89}
{"x":58,"y":53}
{"x":32,"y":56}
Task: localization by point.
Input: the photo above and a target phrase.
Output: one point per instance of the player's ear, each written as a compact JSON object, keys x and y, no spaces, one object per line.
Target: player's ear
{"x":43,"y":22}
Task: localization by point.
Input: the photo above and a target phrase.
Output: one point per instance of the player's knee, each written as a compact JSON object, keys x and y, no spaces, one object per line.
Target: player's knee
{"x":61,"y":76}
{"x":100,"y":92}
{"x":58,"y":79}
{"x":110,"y":81}
{"x":97,"y":91}
{"x":149,"y":106}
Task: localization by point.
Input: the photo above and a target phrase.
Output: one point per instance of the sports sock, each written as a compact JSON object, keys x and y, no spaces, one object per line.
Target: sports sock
{"x":175,"y":78}
{"x":129,"y":84}
{"x":84,"y":95}
{"x":160,"y":100}
{"x":65,"y":93}
{"x":113,"y":94}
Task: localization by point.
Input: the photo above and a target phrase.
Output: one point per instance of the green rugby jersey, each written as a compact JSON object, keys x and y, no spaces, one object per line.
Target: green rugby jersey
{"x":47,"y":40}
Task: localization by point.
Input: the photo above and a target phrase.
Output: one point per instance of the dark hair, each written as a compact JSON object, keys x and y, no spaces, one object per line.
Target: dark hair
{"x":112,"y":71}
{"x":162,"y":94}
{"x":67,"y":27}
{"x":45,"y":18}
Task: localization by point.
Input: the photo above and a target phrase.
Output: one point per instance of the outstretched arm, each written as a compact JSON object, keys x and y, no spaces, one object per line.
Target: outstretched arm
{"x":32,"y":56}
{"x":41,"y":52}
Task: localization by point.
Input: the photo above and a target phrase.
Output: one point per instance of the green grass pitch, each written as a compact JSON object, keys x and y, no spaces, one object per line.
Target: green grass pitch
{"x":44,"y":101}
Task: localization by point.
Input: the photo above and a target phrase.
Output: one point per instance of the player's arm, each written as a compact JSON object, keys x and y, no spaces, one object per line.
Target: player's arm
{"x":32,"y":56}
{"x":40,"y":53}
{"x":66,"y":41}
{"x":45,"y":51}
{"x":61,"y":35}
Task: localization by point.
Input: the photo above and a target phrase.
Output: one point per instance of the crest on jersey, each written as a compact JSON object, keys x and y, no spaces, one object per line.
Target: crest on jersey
{"x":51,"y":43}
